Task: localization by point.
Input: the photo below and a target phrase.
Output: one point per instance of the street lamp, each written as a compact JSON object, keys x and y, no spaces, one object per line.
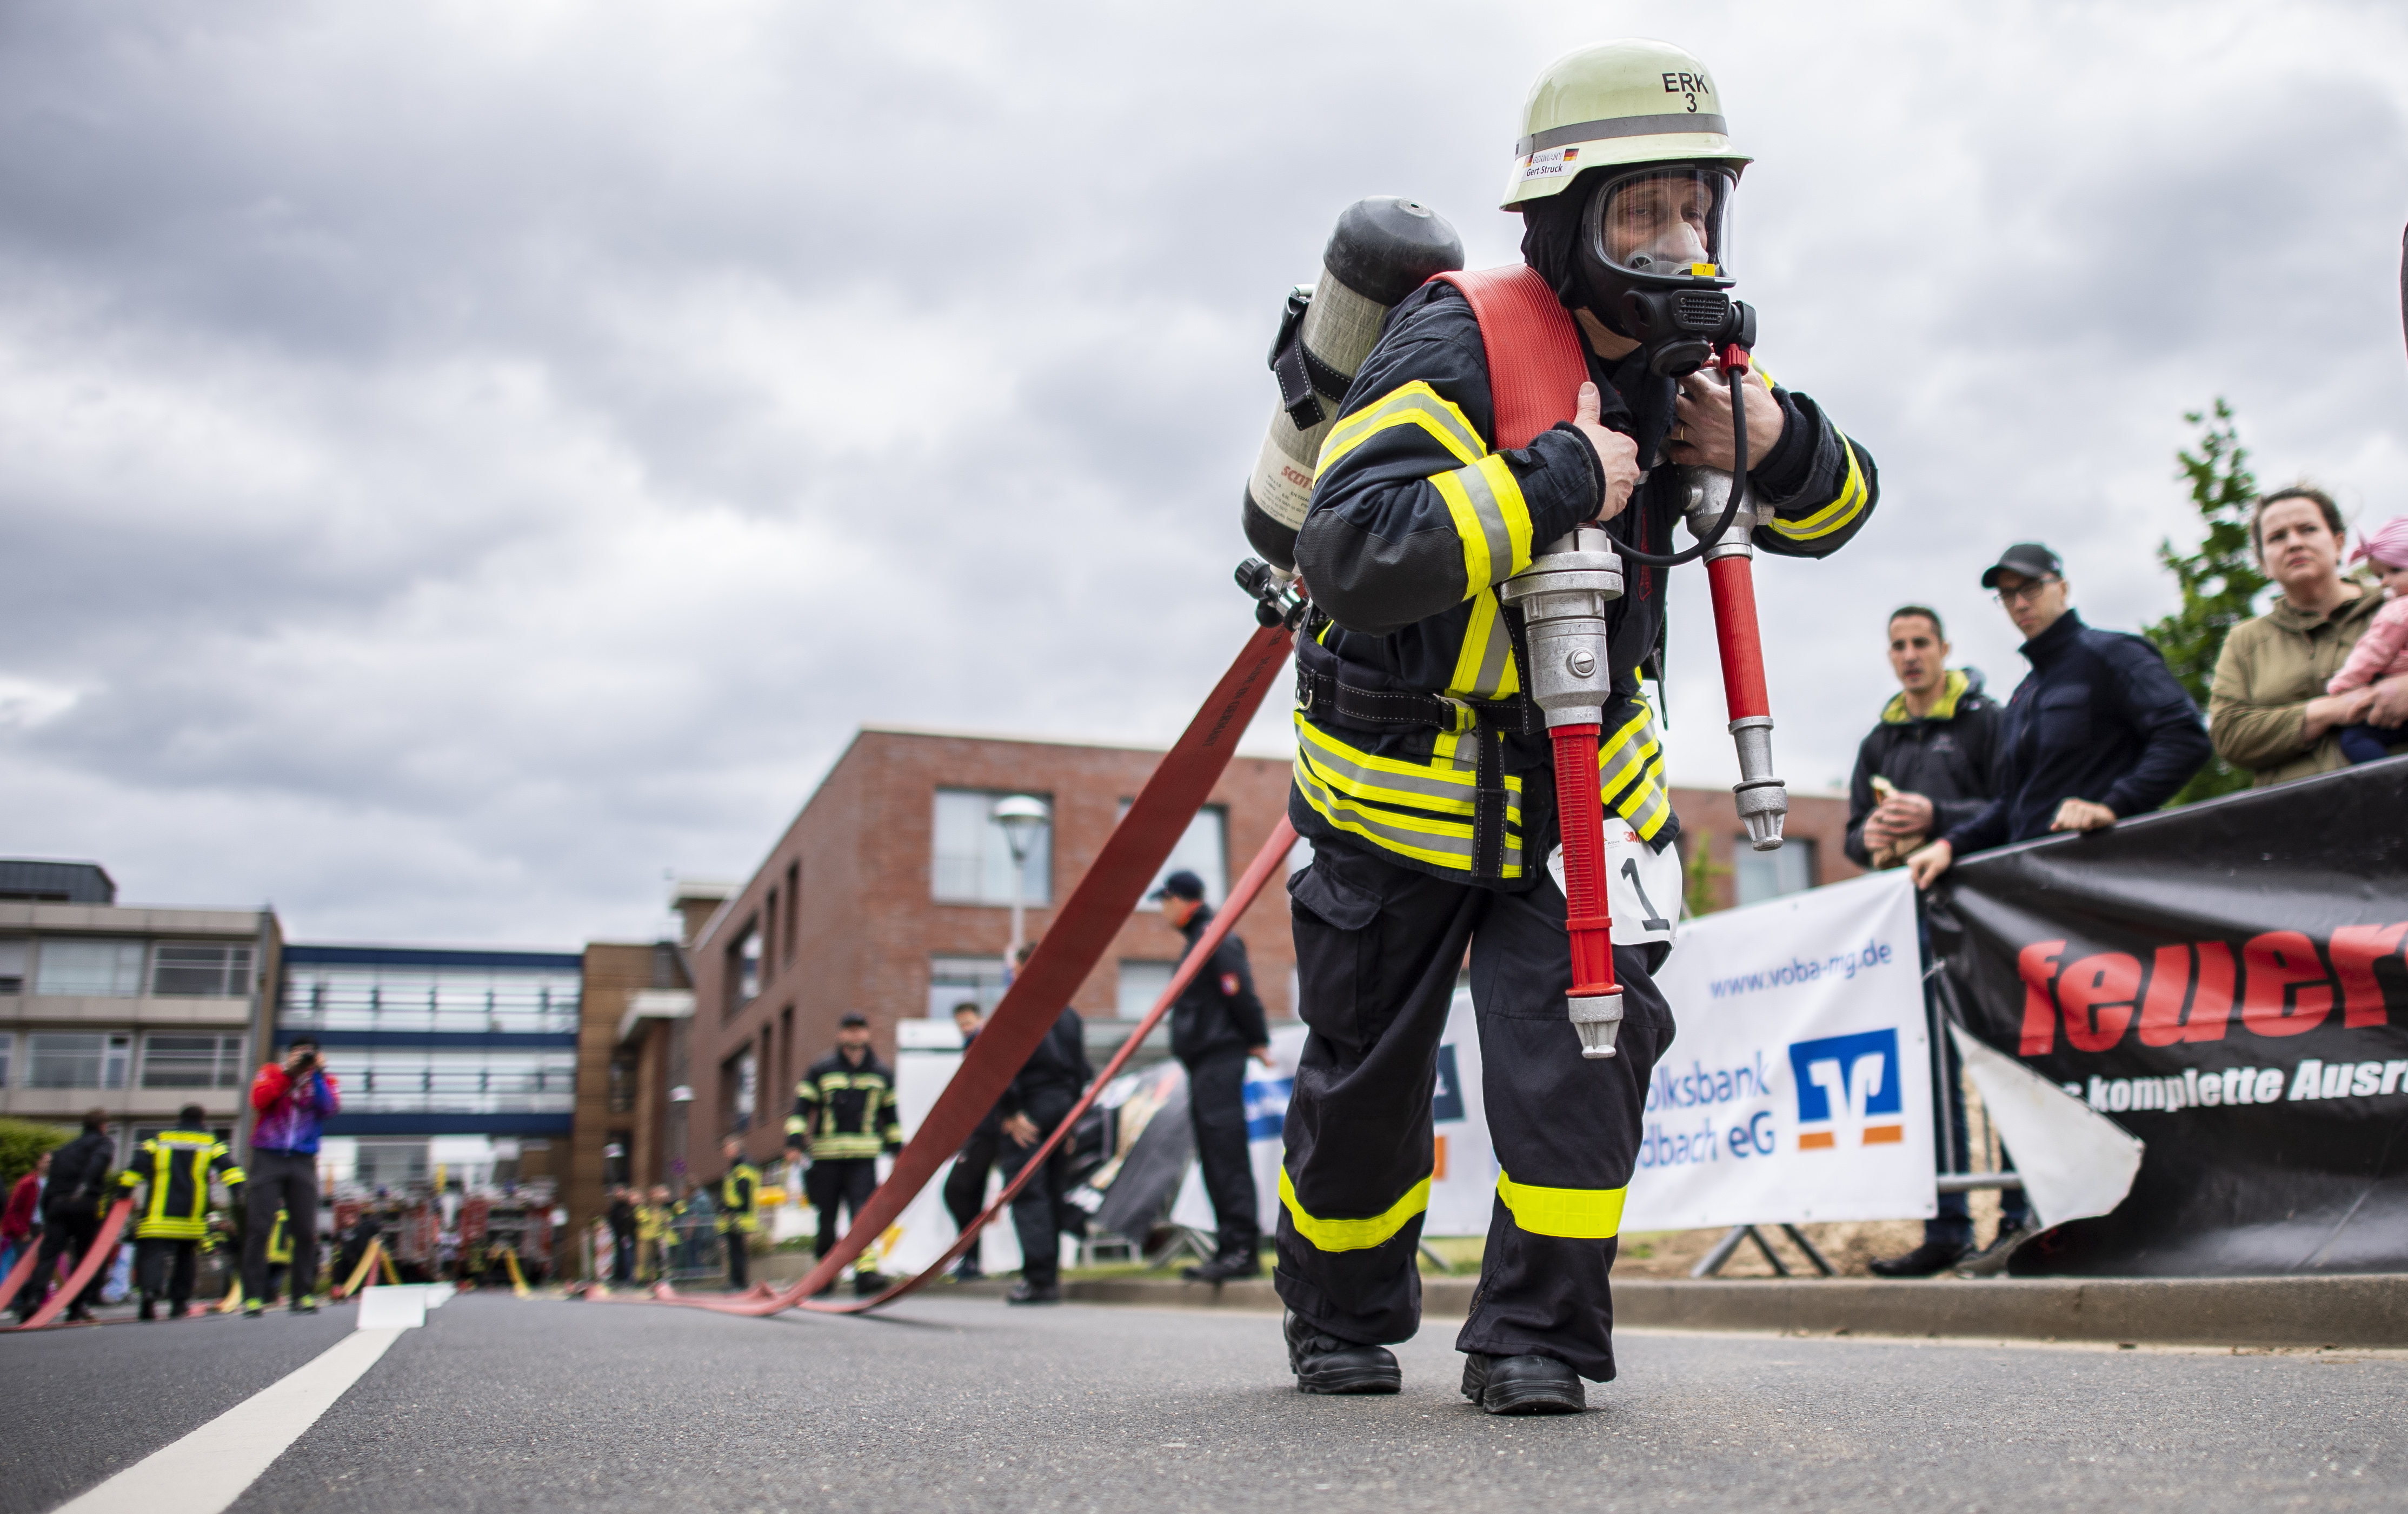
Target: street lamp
{"x":1023,"y":817}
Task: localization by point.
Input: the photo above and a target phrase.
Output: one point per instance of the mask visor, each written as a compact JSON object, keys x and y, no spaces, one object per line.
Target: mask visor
{"x":1671,"y":224}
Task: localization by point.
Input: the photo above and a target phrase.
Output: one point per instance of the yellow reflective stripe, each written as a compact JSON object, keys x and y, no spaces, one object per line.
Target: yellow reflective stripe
{"x":1837,"y":514}
{"x":1414,"y":405}
{"x":847,"y":1145}
{"x":1567,"y":1213}
{"x":1492,"y":520}
{"x":1478,"y":569}
{"x":1630,"y":775}
{"x":1444,"y":843}
{"x":1483,"y":665}
{"x":1353,"y":1234}
{"x":1448,"y":789}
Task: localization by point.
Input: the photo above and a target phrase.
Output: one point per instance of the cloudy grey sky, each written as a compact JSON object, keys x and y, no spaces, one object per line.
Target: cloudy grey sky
{"x":459,"y":461}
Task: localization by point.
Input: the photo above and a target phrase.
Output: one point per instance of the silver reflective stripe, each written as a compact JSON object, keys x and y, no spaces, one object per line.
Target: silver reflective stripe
{"x":1355,"y":428}
{"x":1599,"y":131}
{"x":1348,"y":774}
{"x":1449,"y":850}
{"x":1498,"y":652}
{"x":1492,"y":520}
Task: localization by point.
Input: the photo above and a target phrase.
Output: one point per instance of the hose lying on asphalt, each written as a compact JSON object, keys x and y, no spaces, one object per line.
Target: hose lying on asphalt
{"x":1078,"y":939}
{"x":103,"y":1246}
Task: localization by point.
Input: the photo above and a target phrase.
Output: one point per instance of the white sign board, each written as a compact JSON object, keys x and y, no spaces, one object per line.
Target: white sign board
{"x":1798,"y":1087}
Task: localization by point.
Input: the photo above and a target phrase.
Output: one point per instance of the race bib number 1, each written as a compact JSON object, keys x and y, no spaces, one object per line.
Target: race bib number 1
{"x":1643,"y":885}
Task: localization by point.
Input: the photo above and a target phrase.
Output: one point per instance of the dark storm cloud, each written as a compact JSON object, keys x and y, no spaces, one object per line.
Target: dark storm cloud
{"x":455,"y":462}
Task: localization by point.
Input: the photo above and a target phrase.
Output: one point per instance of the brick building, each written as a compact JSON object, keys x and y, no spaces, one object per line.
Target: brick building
{"x":890,"y":894}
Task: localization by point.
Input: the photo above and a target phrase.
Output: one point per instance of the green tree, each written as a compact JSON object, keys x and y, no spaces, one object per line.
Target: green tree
{"x":2217,"y":580}
{"x":1698,"y":896}
{"x":22,"y":1144}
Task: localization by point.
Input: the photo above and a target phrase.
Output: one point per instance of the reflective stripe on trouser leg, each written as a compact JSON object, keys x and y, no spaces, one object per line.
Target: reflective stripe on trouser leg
{"x":1377,"y":947}
{"x":1567,"y":1133}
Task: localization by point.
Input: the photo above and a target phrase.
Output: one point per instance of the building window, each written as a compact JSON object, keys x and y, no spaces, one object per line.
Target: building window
{"x":743,"y":969}
{"x":1203,"y":851}
{"x":7,"y":1056}
{"x":953,"y":980}
{"x":200,"y":970}
{"x":623,"y":1085}
{"x":793,"y":906}
{"x":77,"y":1059}
{"x":1768,"y":875}
{"x":1140,"y":985}
{"x":192,"y":1062}
{"x":12,"y":963}
{"x":320,"y":997}
{"x":617,"y":1160}
{"x":742,"y":1077}
{"x":411,"y":1080}
{"x":85,"y":969}
{"x":971,"y":861}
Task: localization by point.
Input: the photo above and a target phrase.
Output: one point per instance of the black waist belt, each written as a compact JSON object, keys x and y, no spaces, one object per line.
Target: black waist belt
{"x":1489,"y":721}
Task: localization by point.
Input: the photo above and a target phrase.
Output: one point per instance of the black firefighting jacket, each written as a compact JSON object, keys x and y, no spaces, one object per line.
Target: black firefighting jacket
{"x":1414,"y":525}
{"x":845,"y":1109}
{"x":1219,"y":1010}
{"x":1949,"y":756}
{"x":178,"y":1166}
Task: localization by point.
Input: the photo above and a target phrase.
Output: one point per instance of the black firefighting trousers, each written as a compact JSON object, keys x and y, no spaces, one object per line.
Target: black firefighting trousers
{"x":1377,"y":951}
{"x":846,"y":1181}
{"x":1037,"y":1213}
{"x":165,"y":1269}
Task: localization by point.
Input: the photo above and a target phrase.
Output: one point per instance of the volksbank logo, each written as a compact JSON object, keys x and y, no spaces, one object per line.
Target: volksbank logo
{"x":1848,"y":1090}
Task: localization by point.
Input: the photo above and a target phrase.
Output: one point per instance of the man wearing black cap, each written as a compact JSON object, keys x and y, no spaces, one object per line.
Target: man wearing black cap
{"x":2099,"y":731}
{"x":844,"y":1117}
{"x":1215,"y":1027}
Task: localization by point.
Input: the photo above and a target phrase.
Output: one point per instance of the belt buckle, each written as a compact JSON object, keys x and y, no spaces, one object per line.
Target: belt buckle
{"x":1466,"y":717}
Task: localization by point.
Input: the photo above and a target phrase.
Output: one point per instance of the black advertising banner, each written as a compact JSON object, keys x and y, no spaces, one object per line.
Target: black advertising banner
{"x":2227,"y":982}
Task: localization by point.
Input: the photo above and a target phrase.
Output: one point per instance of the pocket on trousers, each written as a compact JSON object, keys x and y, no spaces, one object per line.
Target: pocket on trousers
{"x":1333,"y":922}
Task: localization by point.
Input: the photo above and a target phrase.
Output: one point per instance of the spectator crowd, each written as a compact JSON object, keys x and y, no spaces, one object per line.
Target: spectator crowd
{"x":2098,"y":730}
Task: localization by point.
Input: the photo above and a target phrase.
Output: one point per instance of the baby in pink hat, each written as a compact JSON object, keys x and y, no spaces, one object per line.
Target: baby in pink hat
{"x":2382,"y":650}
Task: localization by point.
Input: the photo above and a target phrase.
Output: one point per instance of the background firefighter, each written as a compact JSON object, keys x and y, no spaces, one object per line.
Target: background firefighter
{"x":1423,"y":778}
{"x":844,"y":1117}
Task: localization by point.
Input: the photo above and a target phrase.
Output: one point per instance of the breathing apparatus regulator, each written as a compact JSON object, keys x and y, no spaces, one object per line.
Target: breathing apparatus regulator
{"x":1637,"y":126}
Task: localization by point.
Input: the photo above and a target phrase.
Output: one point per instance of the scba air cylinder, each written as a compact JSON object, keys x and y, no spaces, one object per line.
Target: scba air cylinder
{"x":1383,"y":248}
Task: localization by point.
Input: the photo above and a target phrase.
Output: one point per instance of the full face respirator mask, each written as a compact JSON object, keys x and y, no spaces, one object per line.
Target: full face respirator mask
{"x":1654,"y":255}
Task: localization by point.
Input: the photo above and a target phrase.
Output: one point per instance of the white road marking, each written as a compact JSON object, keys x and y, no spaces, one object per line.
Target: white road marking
{"x":208,"y":1470}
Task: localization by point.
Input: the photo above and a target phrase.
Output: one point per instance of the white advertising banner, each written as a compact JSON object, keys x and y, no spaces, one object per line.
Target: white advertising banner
{"x":1266,"y":1094}
{"x":1800,"y":1085}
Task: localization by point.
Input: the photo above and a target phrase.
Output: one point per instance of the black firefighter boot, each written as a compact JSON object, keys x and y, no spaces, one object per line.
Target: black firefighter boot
{"x":1522,"y":1385}
{"x":1325,"y":1364}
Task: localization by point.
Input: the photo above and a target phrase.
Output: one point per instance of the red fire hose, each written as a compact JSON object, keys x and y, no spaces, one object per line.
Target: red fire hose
{"x":103,"y":1248}
{"x":1079,"y":937}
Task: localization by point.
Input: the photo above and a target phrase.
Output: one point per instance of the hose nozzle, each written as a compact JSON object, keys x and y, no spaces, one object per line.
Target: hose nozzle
{"x":1597,"y":1018}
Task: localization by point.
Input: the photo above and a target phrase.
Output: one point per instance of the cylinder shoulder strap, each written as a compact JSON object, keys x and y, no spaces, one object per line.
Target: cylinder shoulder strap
{"x":1534,"y":362}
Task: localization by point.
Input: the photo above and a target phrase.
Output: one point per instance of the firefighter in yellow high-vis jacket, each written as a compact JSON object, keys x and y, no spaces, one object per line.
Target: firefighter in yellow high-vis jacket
{"x":1423,"y":776}
{"x":174,"y":1168}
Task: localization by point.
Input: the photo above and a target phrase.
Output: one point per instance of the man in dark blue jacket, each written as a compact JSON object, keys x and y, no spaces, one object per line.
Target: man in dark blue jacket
{"x":2098,"y":732}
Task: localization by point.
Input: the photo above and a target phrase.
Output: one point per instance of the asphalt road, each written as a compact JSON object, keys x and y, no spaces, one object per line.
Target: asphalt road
{"x":500,"y":1403}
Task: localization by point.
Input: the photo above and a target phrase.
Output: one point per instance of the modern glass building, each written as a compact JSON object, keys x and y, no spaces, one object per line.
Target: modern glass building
{"x":463,"y":1060}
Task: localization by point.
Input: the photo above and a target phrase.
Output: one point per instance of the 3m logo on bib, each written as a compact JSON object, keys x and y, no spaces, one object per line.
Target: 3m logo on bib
{"x":1848,"y":1090}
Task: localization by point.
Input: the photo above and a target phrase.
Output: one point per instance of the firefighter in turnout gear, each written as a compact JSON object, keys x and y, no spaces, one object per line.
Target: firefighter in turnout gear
{"x":1423,"y":775}
{"x":175,"y":1166}
{"x":844,"y":1117}
{"x":737,"y":1218}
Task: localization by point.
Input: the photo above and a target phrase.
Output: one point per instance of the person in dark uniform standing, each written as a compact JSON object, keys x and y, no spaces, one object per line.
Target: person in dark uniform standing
{"x":71,"y":1206}
{"x":1215,"y":1027}
{"x":177,"y":1165}
{"x":844,"y":1117}
{"x":737,"y":1218}
{"x":965,"y":1184}
{"x":1038,"y":1095}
